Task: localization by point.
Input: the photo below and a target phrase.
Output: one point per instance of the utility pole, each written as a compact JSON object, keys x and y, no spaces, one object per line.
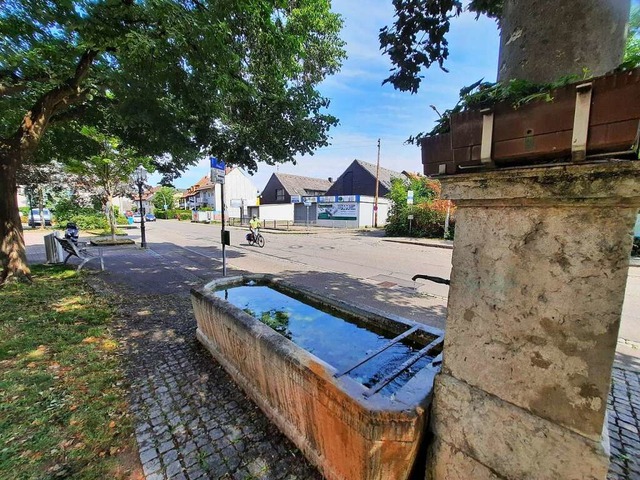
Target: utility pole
{"x":224,"y":237}
{"x":375,"y":203}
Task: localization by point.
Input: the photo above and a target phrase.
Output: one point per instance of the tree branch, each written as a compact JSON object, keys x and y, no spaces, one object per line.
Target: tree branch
{"x":16,"y":83}
{"x":36,"y":120}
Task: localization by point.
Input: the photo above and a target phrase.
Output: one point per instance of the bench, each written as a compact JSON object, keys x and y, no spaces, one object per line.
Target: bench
{"x":73,"y":250}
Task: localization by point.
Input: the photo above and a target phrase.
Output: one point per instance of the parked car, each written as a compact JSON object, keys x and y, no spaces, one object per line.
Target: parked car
{"x":149,"y":217}
{"x":36,"y":219}
{"x":137,"y":218}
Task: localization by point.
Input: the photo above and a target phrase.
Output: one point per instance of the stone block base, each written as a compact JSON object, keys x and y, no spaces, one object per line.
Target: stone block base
{"x":448,"y":463}
{"x":482,"y":437}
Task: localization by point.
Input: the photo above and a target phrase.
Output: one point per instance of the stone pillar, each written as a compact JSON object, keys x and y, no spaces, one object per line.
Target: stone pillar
{"x":540,"y":265}
{"x":593,"y":38}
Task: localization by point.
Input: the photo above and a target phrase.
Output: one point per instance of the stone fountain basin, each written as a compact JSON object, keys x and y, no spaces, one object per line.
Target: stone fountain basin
{"x":345,"y":431}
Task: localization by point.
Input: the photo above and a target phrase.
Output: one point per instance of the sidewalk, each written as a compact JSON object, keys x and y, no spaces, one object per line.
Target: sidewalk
{"x":192,"y":421}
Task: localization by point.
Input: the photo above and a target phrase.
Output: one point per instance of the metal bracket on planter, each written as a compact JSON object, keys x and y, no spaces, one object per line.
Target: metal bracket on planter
{"x":581,"y":122}
{"x":487,"y":138}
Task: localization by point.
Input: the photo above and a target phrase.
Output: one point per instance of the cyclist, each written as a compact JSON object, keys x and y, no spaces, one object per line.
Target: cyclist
{"x":254,"y":227}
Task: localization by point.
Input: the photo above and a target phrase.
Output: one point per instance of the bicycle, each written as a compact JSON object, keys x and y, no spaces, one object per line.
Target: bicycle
{"x":256,"y":239}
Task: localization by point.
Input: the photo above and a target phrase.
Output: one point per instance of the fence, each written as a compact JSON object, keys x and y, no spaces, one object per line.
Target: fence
{"x":270,"y":224}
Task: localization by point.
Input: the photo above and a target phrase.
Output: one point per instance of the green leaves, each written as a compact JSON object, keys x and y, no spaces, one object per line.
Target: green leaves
{"x":632,"y":48}
{"x":164,"y":199}
{"x":176,"y":79}
{"x":417,"y":38}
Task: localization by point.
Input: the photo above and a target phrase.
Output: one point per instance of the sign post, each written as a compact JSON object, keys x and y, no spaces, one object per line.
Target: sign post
{"x":217,"y":176}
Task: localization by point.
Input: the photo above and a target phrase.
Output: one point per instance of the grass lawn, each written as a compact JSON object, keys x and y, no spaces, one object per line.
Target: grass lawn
{"x":63,"y":411}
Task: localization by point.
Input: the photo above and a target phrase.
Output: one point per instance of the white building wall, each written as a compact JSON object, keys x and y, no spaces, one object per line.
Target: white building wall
{"x":123,"y":204}
{"x":238,"y":188}
{"x":22,"y":199}
{"x":366,"y":217}
{"x":280,"y":211}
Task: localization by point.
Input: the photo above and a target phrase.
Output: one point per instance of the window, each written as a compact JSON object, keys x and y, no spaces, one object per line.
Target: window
{"x":279,"y":194}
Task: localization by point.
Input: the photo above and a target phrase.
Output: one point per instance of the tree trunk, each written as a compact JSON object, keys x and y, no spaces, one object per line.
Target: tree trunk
{"x":112,"y":217}
{"x":544,"y":40}
{"x":12,"y":248}
{"x":19,"y":148}
{"x":41,"y":207}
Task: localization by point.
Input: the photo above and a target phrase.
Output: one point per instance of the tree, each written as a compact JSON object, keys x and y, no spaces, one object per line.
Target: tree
{"x":538,"y":42}
{"x":428,"y":210}
{"x":107,"y":174}
{"x":632,"y":48}
{"x":42,"y":183}
{"x":173,"y":79}
{"x":164,"y":198}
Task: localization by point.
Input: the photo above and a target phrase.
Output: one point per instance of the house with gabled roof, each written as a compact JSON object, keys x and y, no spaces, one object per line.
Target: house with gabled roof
{"x":284,"y":190}
{"x":201,"y":194}
{"x":239,"y":191}
{"x":359,"y":178}
{"x":281,"y":187}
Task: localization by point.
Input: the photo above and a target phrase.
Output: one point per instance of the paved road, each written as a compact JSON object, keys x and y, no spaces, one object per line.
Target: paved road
{"x":365,"y":256}
{"x":347,"y":264}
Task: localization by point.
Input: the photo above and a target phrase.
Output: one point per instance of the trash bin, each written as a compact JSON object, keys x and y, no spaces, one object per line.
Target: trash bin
{"x":53,"y":249}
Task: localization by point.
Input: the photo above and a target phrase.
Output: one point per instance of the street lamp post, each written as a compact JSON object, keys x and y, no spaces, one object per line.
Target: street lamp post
{"x":140,"y":178}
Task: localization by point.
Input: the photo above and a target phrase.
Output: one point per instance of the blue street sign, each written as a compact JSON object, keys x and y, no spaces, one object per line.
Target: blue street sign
{"x":217,"y":164}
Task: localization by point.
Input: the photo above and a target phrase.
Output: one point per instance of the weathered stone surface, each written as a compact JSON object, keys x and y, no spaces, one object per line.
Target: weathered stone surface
{"x":537,"y":290}
{"x":593,"y":38}
{"x":603,"y":184}
{"x":450,"y":463}
{"x":506,"y":439}
{"x":345,"y":434}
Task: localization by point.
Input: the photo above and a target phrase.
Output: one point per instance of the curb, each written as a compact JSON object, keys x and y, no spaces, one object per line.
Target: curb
{"x":419,"y":243}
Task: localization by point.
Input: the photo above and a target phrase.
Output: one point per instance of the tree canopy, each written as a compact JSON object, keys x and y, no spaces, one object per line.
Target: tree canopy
{"x":172,"y":79}
{"x":417,"y":38}
{"x":235,"y":78}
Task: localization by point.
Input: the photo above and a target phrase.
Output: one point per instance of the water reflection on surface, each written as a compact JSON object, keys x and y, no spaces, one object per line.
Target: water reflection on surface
{"x":341,"y":342}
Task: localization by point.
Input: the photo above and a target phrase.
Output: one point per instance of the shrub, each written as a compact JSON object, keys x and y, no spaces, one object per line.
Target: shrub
{"x":86,"y":221}
{"x":429,"y":211}
{"x":171,"y":214}
{"x":178,"y":214}
{"x":635,"y":250}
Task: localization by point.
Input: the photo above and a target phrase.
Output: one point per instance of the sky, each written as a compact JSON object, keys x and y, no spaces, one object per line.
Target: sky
{"x":369,"y":111}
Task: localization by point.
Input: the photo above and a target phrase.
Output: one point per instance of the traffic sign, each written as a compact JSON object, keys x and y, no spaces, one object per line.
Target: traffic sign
{"x":217,"y":164}
{"x":409,"y":197}
{"x":217,"y":170}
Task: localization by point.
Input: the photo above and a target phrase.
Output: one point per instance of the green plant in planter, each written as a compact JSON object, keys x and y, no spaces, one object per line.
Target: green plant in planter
{"x":481,"y":95}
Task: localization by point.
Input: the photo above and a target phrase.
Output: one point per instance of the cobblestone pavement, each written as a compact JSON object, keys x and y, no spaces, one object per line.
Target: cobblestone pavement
{"x":192,"y":421}
{"x":624,"y":425}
